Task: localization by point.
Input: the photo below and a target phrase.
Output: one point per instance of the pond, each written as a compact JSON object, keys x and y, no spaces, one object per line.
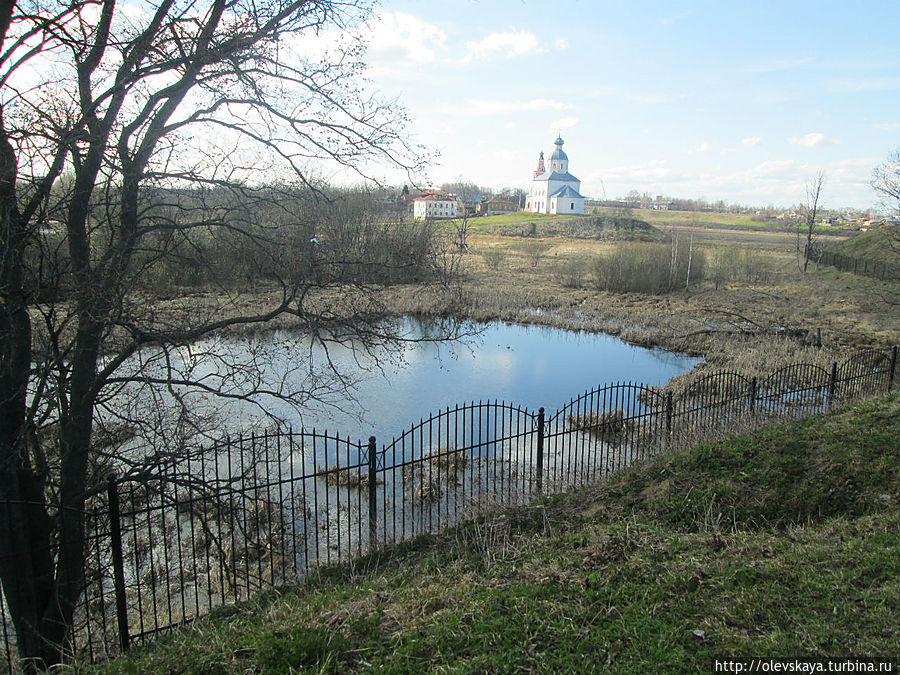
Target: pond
{"x":279,"y":506}
{"x":528,"y":365}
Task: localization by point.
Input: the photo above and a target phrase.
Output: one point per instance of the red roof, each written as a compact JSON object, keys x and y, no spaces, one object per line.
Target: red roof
{"x":435,"y":198}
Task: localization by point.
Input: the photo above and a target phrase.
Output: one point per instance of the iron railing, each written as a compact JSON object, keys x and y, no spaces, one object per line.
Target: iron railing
{"x":260,"y":510}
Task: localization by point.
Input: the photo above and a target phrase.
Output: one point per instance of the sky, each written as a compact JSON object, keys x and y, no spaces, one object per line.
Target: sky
{"x":743,"y":102}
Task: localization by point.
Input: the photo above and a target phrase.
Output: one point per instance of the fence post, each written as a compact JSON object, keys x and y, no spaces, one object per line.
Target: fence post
{"x":753,"y":395}
{"x":893,"y":368}
{"x":540,"y":451}
{"x":669,"y":413}
{"x":832,"y":385}
{"x":373,"y":504}
{"x":115,"y":535}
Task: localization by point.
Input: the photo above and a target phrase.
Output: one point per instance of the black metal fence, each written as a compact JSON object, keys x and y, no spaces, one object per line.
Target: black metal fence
{"x":862,"y":266}
{"x":262,"y":510}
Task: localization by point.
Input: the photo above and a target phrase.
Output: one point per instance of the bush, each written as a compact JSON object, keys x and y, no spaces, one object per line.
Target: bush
{"x":648,"y":268}
{"x":493,"y":258}
{"x":570,"y":272}
{"x":743,"y":265}
{"x":289,"y":236}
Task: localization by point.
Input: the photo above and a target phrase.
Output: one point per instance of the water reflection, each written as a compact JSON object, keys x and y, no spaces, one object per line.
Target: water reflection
{"x":530,"y":365}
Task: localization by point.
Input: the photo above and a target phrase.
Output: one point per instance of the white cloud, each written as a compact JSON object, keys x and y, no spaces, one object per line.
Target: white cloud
{"x":564,"y":123}
{"x":703,"y":147}
{"x":812,"y":140}
{"x":397,"y":41}
{"x":562,"y":44}
{"x":751,"y":141}
{"x":487,"y":107}
{"x":777,"y":168}
{"x":503,"y":45}
{"x":655,"y":170}
{"x":888,"y":126}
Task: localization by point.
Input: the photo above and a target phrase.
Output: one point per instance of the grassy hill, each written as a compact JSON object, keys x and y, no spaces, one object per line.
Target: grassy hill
{"x":781,"y":542}
{"x":880,"y":245}
{"x":603,"y":227}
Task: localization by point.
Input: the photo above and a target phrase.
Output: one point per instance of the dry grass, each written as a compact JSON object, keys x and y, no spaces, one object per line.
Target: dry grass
{"x":610,"y":423}
{"x":340,"y":477}
{"x":425,"y":481}
{"x":449,"y":461}
{"x":747,"y":327}
{"x":752,"y":325}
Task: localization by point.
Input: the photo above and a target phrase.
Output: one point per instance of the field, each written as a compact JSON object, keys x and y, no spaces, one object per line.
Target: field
{"x":753,"y":310}
{"x":760,"y":312}
{"x":697,"y":220}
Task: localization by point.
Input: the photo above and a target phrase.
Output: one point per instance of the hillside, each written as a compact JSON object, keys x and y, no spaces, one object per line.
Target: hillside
{"x":606,"y":228}
{"x":880,"y":245}
{"x":780,"y":542}
{"x":601,"y":227}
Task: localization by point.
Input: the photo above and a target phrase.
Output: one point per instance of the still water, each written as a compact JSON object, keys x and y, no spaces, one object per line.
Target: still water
{"x":528,"y":365}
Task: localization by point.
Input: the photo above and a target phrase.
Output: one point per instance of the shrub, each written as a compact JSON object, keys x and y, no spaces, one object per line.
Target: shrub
{"x":570,"y":272}
{"x":648,"y":268}
{"x":733,"y":264}
{"x":493,"y":258}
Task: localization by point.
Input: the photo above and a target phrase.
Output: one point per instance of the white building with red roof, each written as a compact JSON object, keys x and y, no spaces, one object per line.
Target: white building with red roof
{"x":433,"y":206}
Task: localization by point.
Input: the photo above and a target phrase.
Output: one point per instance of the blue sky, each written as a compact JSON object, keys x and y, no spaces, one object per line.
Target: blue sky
{"x":723,"y":100}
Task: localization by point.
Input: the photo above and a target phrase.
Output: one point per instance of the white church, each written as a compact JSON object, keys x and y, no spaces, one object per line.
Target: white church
{"x":554,"y":189}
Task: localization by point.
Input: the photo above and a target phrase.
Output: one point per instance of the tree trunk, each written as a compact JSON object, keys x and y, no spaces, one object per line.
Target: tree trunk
{"x":26,"y":560}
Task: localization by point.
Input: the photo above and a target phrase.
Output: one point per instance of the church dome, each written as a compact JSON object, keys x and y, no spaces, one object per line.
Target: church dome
{"x":558,"y":153}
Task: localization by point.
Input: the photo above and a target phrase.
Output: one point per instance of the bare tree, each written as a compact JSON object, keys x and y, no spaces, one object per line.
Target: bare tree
{"x":462,"y":230}
{"x":808,"y":225}
{"x":886,"y":181}
{"x":139,"y":143}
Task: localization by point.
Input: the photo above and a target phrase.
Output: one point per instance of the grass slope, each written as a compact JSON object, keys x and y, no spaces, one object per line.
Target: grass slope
{"x":781,"y":542}
{"x":881,"y":245}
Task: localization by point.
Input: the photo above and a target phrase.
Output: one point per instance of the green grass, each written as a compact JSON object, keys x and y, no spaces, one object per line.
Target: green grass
{"x":660,"y":219}
{"x":780,"y":542}
{"x":881,"y":245}
{"x":485,"y":224}
{"x":716,"y":220}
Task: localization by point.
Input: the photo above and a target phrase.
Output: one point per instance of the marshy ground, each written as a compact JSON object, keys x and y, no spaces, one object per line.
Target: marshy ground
{"x":753,"y":311}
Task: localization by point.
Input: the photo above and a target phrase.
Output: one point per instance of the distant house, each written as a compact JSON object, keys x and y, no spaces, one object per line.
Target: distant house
{"x":435,"y":206}
{"x":470,"y":202}
{"x":497,"y":205}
